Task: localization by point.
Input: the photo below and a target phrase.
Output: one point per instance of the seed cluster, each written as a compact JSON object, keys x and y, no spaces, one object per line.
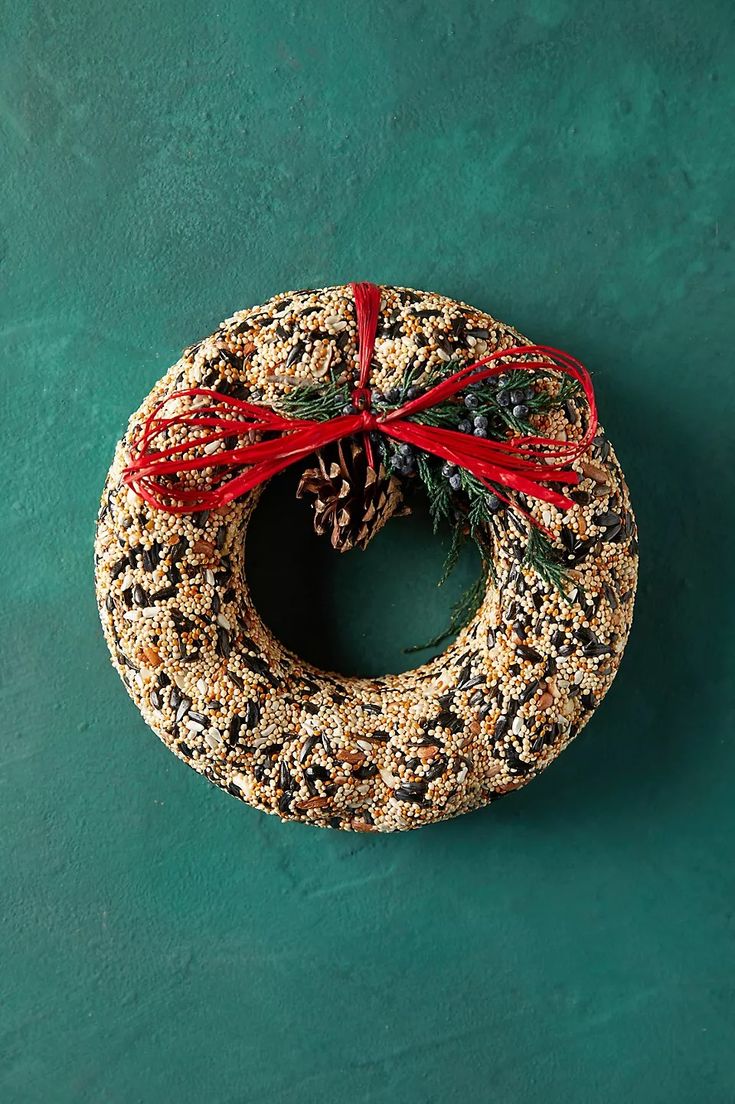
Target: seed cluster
{"x":381,"y":754}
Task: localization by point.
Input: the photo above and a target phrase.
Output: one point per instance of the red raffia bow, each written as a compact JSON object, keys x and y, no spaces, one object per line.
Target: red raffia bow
{"x":525,"y":465}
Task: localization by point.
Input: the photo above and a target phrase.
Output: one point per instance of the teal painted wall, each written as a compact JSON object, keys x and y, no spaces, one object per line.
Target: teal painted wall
{"x":564,"y":164}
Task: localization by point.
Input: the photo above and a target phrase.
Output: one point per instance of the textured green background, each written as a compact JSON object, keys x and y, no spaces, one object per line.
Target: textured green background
{"x":562,"y":163}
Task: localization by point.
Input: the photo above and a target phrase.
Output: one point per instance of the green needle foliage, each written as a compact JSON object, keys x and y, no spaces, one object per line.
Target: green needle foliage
{"x":494,"y":408}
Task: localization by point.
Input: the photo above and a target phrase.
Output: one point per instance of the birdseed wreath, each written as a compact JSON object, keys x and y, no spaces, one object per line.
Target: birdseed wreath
{"x":377,"y":394}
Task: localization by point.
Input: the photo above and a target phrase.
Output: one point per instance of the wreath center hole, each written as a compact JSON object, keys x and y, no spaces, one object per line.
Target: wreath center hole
{"x":356,"y":612}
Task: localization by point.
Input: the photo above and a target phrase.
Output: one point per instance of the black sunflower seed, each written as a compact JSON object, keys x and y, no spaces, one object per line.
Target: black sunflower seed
{"x":411,"y":791}
{"x":530,"y":690}
{"x":256,"y":665}
{"x":295,"y":354}
{"x":178,"y":550}
{"x":139,"y":595}
{"x":118,"y":567}
{"x":517,"y":765}
{"x":456,"y":725}
{"x":200,"y":519}
{"x":125,"y":661}
{"x":308,"y":747}
{"x":369,"y":770}
{"x":149,"y":557}
{"x":582,"y":498}
{"x":165,"y":592}
{"x":252,"y":713}
{"x":233,"y":731}
{"x":554,"y":733}
{"x":501,"y":726}
{"x":437,"y":768}
{"x":608,"y":519}
{"x":579,"y":552}
{"x":602,"y":447}
{"x":316,"y":770}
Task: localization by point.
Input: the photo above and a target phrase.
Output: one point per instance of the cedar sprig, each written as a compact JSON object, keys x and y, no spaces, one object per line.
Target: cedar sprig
{"x":543,"y":558}
{"x":315,"y":402}
{"x":463,"y":610}
{"x":492,"y":401}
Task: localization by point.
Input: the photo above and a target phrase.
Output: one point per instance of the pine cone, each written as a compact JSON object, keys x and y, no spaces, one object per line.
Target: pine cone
{"x":352,"y":500}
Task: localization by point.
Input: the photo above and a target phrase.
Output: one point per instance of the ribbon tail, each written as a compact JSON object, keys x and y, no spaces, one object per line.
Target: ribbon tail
{"x":524,"y":477}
